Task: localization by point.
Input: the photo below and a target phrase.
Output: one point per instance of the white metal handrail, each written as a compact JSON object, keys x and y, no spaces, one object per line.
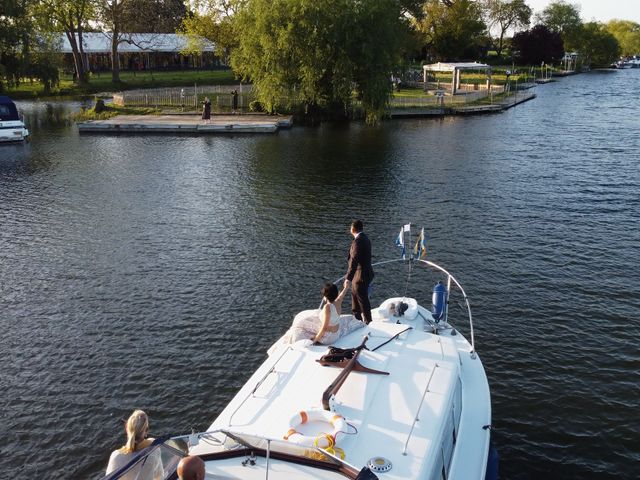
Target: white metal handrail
{"x":417,"y":417}
{"x":450,"y":278}
{"x":260,"y":382}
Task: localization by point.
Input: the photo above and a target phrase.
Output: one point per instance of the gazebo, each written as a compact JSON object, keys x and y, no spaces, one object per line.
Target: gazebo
{"x":456,"y":69}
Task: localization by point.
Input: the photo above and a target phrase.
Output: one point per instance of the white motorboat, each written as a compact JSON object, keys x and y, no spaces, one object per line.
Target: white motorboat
{"x":406,"y":398}
{"x":12,"y":128}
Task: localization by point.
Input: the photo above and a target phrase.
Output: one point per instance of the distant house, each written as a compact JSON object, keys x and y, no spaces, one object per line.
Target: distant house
{"x":141,"y":51}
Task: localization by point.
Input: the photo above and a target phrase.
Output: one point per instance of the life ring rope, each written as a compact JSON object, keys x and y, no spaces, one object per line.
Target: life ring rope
{"x":331,"y":448}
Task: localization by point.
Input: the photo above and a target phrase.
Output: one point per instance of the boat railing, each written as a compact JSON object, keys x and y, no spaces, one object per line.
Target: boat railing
{"x":270,"y":448}
{"x":450,"y":281}
{"x":163,"y":454}
{"x":417,"y":415}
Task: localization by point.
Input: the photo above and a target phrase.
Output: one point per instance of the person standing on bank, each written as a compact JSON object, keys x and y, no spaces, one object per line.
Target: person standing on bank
{"x":234,"y":101}
{"x":206,"y":110}
{"x":359,"y":272}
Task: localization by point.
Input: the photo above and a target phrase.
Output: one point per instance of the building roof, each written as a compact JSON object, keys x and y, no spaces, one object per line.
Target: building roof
{"x":98,"y":42}
{"x":450,"y":67}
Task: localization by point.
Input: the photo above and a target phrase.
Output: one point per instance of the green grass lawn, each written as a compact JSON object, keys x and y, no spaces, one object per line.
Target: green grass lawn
{"x":85,"y":114}
{"x":99,"y":83}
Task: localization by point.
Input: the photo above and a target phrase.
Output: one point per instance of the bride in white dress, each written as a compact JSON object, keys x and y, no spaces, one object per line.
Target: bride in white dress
{"x":333,"y":326}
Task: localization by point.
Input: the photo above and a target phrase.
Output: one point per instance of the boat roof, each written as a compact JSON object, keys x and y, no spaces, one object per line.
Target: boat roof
{"x":98,"y":42}
{"x":8,"y":110}
{"x":407,"y":410}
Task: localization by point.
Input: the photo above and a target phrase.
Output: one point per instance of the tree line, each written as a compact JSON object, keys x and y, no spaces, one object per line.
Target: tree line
{"x":319,"y":53}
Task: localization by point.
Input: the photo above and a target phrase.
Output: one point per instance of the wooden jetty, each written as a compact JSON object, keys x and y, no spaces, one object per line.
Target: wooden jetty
{"x":505,"y":103}
{"x":188,"y":123}
{"x":499,"y":105}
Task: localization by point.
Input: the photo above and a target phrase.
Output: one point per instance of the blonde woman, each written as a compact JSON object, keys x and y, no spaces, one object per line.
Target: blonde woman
{"x":137,"y":429}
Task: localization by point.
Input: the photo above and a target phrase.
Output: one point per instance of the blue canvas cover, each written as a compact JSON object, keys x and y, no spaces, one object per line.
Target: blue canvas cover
{"x":8,"y":110}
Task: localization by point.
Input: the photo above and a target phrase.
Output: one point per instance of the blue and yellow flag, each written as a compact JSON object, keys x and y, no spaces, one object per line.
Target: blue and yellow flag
{"x":420,"y":250}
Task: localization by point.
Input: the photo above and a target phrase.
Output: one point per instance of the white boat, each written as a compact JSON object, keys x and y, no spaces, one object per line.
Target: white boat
{"x":12,"y":129}
{"x":412,"y":402}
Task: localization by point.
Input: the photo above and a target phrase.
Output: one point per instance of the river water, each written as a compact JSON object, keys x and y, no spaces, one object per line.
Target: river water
{"x":154,"y":272}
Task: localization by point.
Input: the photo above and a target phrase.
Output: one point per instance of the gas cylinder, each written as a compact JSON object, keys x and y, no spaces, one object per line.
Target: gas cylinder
{"x":439,"y":302}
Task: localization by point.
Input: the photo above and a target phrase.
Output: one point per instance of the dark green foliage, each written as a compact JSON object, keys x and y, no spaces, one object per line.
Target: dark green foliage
{"x":538,"y":45}
{"x":455,"y":32}
{"x":153,"y":16}
{"x":26,"y":46}
{"x":256,"y":106}
{"x":564,"y":18}
{"x":598,"y":47}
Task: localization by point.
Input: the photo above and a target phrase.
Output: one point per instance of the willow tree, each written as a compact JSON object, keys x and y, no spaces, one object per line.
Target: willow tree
{"x":319,"y":52}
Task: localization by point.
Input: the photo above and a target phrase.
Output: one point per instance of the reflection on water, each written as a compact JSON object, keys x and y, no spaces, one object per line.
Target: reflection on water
{"x":153,"y":271}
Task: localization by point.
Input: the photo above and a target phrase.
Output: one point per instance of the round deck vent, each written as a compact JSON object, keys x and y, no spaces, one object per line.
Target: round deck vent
{"x":379,"y":464}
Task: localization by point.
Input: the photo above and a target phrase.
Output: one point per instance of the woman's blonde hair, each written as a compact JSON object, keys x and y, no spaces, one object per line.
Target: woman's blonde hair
{"x":137,"y":427}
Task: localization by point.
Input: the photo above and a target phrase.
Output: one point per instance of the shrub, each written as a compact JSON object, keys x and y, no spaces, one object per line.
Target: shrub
{"x":256,"y":106}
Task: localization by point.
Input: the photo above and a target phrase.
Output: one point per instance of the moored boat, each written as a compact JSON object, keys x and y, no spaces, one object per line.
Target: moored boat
{"x":12,"y":128}
{"x":403,"y":397}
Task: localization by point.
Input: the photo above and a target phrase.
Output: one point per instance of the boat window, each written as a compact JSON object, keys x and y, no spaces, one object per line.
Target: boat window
{"x":447,"y":443}
{"x":438,"y":472}
{"x":4,"y":112}
{"x":449,"y":436}
{"x":158,"y":462}
{"x":457,"y":407}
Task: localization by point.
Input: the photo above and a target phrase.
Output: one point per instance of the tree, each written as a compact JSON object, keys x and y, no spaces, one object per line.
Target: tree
{"x":505,"y":15}
{"x":319,"y":51}
{"x":628,"y":35}
{"x":598,"y":47}
{"x":452,"y":32}
{"x":120,"y":19}
{"x":214,"y":22}
{"x":564,"y":18}
{"x":26,"y":47}
{"x":112,"y":14}
{"x":538,"y":45}
{"x":70,"y":16}
{"x":154,"y":16}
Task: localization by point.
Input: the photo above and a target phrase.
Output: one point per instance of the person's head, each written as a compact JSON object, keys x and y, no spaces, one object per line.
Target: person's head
{"x":191,"y":468}
{"x":137,"y":428}
{"x":329,"y":291}
{"x":356,"y":227}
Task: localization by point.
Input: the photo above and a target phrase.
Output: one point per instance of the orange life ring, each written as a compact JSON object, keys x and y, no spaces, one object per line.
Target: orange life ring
{"x":323,"y":439}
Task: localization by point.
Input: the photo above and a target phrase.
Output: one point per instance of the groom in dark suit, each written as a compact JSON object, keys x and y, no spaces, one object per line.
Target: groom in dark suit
{"x":359,"y":272}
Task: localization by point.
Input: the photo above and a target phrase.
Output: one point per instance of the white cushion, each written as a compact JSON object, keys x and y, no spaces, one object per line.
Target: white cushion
{"x":410,"y":313}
